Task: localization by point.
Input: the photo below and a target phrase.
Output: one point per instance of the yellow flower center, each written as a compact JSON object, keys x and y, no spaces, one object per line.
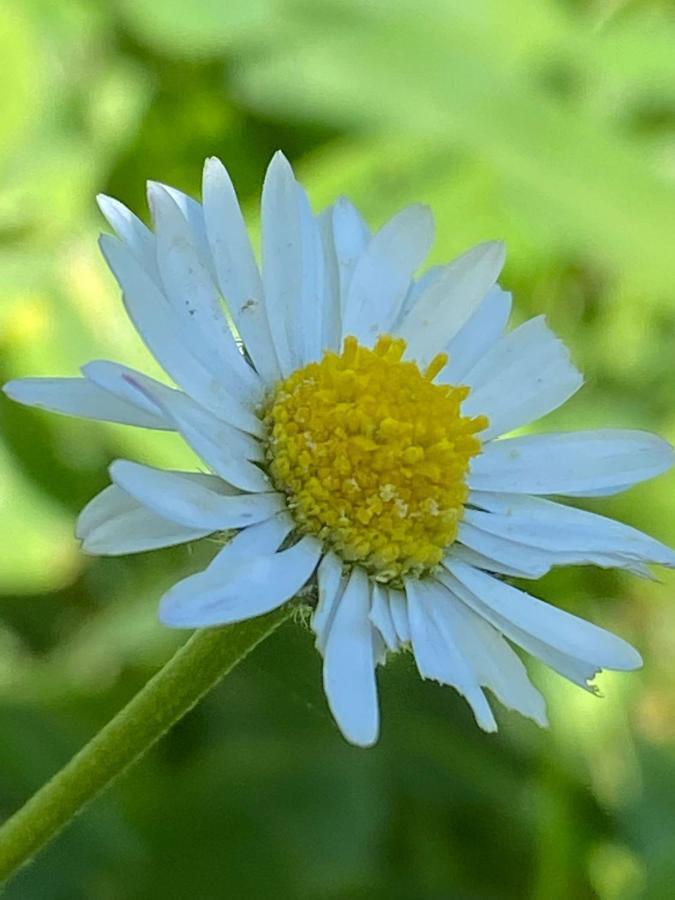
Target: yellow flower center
{"x":373,"y":456}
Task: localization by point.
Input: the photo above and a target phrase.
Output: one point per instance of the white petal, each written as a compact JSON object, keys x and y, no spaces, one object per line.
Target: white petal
{"x":379,"y":648}
{"x":496,"y":665}
{"x":450,"y":301}
{"x":160,"y":328}
{"x":191,"y":292}
{"x":312,"y":297}
{"x":570,"y":462}
{"x":435,"y":644}
{"x":350,"y":236}
{"x":252,"y":587}
{"x":527,"y":561}
{"x":131,"y":231}
{"x":80,"y":397}
{"x":383,"y":273}
{"x":223,"y":448}
{"x":415,"y":291}
{"x":536,"y":522}
{"x":482,"y":561}
{"x":398,"y":606}
{"x":114,"y":524}
{"x":282,"y":255}
{"x":194,"y":216}
{"x":349,"y":665}
{"x":331,"y":319}
{"x":256,"y":540}
{"x":380,"y":615}
{"x":601,"y":492}
{"x":236,"y":268}
{"x":530,"y":561}
{"x":477,"y":336}
{"x":115,"y":379}
{"x":534,"y":563}
{"x":194,"y":505}
{"x":559,"y":629}
{"x":578,"y":671}
{"x":525,"y":375}
{"x":331,"y":585}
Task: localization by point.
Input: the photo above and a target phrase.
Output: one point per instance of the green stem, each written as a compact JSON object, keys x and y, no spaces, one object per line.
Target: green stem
{"x":189,"y":674}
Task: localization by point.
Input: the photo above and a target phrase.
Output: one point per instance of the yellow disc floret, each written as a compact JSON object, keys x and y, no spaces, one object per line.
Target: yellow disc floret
{"x":373,"y":456}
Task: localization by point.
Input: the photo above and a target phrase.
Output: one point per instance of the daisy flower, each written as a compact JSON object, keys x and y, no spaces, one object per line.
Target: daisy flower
{"x":350,"y":418}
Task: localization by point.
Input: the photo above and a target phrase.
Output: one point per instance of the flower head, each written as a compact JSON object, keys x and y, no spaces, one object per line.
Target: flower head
{"x":348,"y":416}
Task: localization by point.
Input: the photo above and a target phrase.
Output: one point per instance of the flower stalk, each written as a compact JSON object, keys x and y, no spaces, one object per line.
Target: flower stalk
{"x":195,"y":668}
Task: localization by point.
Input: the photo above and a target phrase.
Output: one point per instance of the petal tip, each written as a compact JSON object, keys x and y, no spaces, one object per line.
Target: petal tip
{"x":214,"y":170}
{"x":279,"y":167}
{"x":117,"y":469}
{"x":11,"y":389}
{"x":104,"y":202}
{"x":632,"y":659}
{"x":366,"y":735}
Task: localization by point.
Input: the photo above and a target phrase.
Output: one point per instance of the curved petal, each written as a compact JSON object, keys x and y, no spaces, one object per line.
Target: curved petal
{"x":380,"y":616}
{"x":193,"y":214}
{"x":331,"y":319}
{"x":331,"y":585}
{"x":189,"y":287}
{"x":383,"y":273}
{"x":114,"y":524}
{"x":577,"y":670}
{"x":450,"y":300}
{"x":132,"y":232}
{"x":223,"y":448}
{"x":482,"y":561}
{"x":569,"y":462}
{"x":81,"y":397}
{"x":496,"y":665}
{"x":195,"y":505}
{"x":349,"y":665}
{"x":282,"y":255}
{"x":503,"y":552}
{"x":236,"y":268}
{"x":351,"y":236}
{"x":559,"y":629}
{"x":161,"y":329}
{"x":313,"y":274}
{"x":116,"y":379}
{"x":418,"y":287}
{"x":438,"y":654}
{"x":250,"y":588}
{"x":525,"y":375}
{"x":477,"y":336}
{"x":256,"y":540}
{"x":398,"y":607}
{"x":533,"y":562}
{"x":535,"y":522}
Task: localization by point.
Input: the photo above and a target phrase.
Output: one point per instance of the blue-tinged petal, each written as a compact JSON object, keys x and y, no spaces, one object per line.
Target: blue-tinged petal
{"x":113,"y":524}
{"x":252,"y":587}
{"x":81,"y":397}
{"x":210,"y":506}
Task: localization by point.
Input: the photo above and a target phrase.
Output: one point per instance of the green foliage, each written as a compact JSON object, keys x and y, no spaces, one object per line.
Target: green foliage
{"x":549,"y":124}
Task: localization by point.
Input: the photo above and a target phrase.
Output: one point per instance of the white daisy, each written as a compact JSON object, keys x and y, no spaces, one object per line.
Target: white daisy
{"x":349,"y":417}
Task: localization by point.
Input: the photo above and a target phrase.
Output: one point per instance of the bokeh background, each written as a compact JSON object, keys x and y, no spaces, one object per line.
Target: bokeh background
{"x":549,"y":124}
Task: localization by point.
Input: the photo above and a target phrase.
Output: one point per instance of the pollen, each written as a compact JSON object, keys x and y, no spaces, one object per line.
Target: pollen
{"x":373,"y":456}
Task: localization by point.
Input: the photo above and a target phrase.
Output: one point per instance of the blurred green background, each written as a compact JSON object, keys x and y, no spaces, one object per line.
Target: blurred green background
{"x":549,"y":124}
